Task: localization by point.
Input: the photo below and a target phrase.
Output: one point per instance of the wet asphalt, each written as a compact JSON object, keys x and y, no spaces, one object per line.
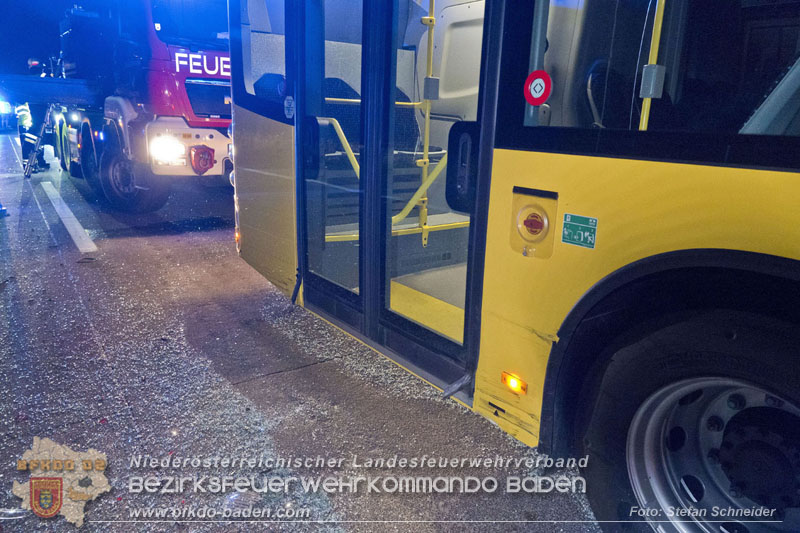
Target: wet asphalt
{"x":165,"y":343}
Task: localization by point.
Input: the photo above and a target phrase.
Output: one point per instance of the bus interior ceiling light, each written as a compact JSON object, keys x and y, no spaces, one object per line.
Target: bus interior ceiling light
{"x":167,"y":150}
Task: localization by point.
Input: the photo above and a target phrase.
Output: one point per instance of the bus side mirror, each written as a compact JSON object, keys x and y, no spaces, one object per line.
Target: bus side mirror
{"x":462,"y":166}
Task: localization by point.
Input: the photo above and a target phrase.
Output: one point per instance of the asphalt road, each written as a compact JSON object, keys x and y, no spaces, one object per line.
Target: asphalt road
{"x":162,"y":342}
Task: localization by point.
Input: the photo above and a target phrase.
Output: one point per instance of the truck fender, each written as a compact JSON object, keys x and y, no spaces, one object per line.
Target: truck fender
{"x":120,"y":111}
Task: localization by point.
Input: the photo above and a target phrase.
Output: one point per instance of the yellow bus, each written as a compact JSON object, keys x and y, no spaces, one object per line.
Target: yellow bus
{"x":575,"y":217}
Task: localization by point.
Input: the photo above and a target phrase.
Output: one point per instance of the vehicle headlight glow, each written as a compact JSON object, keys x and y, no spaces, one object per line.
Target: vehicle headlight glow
{"x":167,"y":150}
{"x":5,"y":108}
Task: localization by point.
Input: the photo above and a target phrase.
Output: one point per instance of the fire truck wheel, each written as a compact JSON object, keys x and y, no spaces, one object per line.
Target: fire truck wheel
{"x":90,"y":168}
{"x":701,"y":416}
{"x":131,"y":187}
{"x":59,"y":145}
{"x":72,"y":168}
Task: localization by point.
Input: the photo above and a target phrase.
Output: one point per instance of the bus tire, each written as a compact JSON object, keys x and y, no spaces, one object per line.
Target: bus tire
{"x":129,"y":186}
{"x":683,"y":415}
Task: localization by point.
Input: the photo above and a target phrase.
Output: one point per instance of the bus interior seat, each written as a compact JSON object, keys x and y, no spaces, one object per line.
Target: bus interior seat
{"x":609,"y":96}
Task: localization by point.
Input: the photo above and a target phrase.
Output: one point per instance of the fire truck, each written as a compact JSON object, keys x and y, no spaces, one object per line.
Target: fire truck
{"x":155,"y":102}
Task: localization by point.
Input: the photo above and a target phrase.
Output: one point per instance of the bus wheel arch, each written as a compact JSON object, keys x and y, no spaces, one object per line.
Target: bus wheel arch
{"x":682,"y":416}
{"x":656,"y":295}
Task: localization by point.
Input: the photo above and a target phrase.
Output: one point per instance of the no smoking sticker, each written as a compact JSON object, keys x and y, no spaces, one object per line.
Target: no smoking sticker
{"x":538,"y":87}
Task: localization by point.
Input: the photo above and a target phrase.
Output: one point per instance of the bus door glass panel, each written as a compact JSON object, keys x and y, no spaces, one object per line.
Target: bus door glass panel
{"x":332,"y":174}
{"x":427,"y":241}
{"x":719,"y":67}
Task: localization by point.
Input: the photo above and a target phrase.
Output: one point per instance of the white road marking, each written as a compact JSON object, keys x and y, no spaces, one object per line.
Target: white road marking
{"x":19,"y":143}
{"x":76,"y":231}
{"x":74,"y":228}
{"x":13,"y":149}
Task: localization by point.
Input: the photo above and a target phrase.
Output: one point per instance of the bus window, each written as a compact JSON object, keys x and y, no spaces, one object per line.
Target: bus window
{"x":263,"y":49}
{"x":192,"y":22}
{"x":426,"y":250}
{"x":721,"y":66}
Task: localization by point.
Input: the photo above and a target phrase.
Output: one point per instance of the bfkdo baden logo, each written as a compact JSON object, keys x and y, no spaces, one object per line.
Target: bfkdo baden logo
{"x":61,"y":480}
{"x":46,"y":494}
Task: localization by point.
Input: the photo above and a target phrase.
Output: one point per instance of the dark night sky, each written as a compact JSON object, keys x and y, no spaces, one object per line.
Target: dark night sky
{"x":28,"y":28}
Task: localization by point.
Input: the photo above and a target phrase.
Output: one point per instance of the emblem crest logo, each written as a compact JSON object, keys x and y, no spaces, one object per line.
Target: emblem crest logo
{"x":202,"y":159}
{"x":46,"y":496}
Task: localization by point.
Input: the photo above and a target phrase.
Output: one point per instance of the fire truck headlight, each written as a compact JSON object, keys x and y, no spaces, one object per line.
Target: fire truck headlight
{"x":167,"y":150}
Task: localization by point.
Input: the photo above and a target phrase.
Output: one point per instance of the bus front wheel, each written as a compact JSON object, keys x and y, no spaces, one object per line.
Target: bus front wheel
{"x":698,"y":425}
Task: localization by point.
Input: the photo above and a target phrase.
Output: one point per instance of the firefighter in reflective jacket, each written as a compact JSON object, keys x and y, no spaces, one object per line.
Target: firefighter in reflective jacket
{"x":27,"y":137}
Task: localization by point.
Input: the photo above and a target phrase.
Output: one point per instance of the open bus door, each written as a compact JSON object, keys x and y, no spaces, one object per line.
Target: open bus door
{"x":265,"y":180}
{"x":376,"y":89}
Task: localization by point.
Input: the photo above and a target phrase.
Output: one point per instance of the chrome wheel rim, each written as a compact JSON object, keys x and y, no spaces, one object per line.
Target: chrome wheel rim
{"x":122,"y":178}
{"x":705,"y":445}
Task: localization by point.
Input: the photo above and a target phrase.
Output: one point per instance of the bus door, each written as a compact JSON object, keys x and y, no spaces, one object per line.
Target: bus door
{"x":384,"y":253}
{"x":263,"y":130}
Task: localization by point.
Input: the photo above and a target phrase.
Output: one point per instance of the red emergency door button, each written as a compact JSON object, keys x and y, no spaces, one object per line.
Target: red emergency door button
{"x":532,"y":223}
{"x":535,"y":224}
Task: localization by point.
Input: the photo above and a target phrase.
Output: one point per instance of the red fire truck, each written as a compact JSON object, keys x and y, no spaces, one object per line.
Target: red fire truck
{"x":159,"y":71}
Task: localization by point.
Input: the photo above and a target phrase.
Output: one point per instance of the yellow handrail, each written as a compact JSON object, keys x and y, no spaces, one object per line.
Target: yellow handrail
{"x":399,"y":217}
{"x":405,"y":231}
{"x":419,"y":199}
{"x":345,"y":144}
{"x":655,"y":39}
{"x":357,"y":101}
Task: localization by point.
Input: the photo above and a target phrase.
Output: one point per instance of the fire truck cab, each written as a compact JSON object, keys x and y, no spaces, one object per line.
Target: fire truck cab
{"x":165,"y":104}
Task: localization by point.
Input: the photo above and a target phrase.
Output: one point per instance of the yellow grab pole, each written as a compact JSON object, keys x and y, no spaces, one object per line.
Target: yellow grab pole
{"x":653,"y":59}
{"x":430,"y":22}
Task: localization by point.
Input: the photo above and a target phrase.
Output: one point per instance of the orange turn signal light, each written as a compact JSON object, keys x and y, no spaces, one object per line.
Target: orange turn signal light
{"x":514,"y":383}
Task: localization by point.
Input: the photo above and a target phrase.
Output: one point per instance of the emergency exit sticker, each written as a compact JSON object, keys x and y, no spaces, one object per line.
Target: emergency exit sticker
{"x":580,"y":231}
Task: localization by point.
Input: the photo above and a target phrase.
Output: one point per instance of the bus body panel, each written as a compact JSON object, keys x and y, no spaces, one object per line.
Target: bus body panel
{"x":720,"y":208}
{"x":265,"y":196}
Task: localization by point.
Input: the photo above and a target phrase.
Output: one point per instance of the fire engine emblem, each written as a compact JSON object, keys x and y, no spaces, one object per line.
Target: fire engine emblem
{"x":202,"y":159}
{"x":46,"y":496}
